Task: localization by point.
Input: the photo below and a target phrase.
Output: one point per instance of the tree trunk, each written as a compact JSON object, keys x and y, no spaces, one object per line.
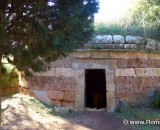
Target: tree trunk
{"x":0,"y":92}
{"x":0,"y":106}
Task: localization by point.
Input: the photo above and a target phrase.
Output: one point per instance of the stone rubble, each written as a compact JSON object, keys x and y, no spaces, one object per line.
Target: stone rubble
{"x":118,"y":39}
{"x":121,"y":42}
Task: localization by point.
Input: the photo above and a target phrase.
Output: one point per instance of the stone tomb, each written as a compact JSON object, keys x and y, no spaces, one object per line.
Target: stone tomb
{"x":130,"y":76}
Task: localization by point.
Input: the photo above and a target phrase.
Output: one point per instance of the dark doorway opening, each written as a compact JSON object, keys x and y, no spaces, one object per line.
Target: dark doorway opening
{"x":95,"y":93}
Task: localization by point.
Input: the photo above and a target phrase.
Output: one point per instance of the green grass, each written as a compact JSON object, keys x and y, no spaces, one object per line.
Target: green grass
{"x":70,"y":113}
{"x":141,"y":114}
{"x":35,"y":104}
{"x":38,"y":106}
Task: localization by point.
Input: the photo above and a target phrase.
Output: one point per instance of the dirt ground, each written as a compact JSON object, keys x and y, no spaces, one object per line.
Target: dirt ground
{"x":24,"y":113}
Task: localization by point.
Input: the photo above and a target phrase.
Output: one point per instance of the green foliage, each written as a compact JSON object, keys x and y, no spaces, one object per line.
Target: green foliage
{"x":10,"y":77}
{"x":156,"y":100}
{"x":143,"y":19}
{"x":112,"y":29}
{"x":39,"y":31}
{"x":146,"y":14}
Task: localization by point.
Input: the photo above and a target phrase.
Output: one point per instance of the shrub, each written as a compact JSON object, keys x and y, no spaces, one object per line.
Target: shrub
{"x":8,"y":76}
{"x":112,"y":29}
{"x":156,"y":100}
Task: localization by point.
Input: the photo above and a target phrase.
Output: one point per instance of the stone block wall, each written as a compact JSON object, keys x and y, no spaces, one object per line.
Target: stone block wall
{"x":60,"y":90}
{"x":130,"y":76}
{"x":55,"y":87}
{"x":136,"y":74}
{"x":137,"y":79}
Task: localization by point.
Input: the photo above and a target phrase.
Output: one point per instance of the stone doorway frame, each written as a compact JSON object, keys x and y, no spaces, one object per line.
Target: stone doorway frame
{"x":109,"y":68}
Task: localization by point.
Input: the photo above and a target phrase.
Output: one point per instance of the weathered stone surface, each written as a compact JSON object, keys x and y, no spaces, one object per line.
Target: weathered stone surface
{"x":50,"y":72}
{"x":110,"y":94}
{"x":110,"y":87}
{"x":121,"y":95}
{"x":68,"y":104}
{"x":151,"y":42}
{"x":63,"y":62}
{"x":118,"y":39}
{"x":110,"y":78}
{"x":107,"y":39}
{"x":102,"y":39}
{"x":125,"y":72}
{"x":33,"y":82}
{"x":129,"y":76}
{"x":117,"y":55}
{"x":149,"y":47}
{"x":130,"y":46}
{"x":156,"y":71}
{"x":43,"y":86}
{"x":79,"y":93}
{"x":127,"y":46}
{"x":42,"y":96}
{"x":137,"y":55}
{"x":134,"y":40}
{"x":110,"y":46}
{"x":69,"y":96}
{"x":135,"y":87}
{"x":119,"y":46}
{"x":130,"y":39}
{"x":155,"y":63}
{"x":95,"y":64}
{"x":58,"y":95}
{"x":122,"y":63}
{"x":43,"y":79}
{"x":154,"y":56}
{"x":62,"y":83}
{"x":56,"y":103}
{"x":99,"y":55}
{"x":146,"y":72}
{"x":133,"y":63}
{"x":110,"y":101}
{"x":61,"y":110}
{"x":65,"y":72}
{"x":138,"y":63}
{"x":97,"y":39}
{"x":70,"y":88}
{"x":82,"y":55}
{"x":133,"y":46}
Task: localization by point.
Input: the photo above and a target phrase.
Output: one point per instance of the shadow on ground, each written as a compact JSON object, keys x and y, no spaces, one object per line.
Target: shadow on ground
{"x":25,"y":113}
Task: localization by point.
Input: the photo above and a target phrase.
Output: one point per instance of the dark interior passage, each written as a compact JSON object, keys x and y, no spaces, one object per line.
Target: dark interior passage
{"x":95,"y":93}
